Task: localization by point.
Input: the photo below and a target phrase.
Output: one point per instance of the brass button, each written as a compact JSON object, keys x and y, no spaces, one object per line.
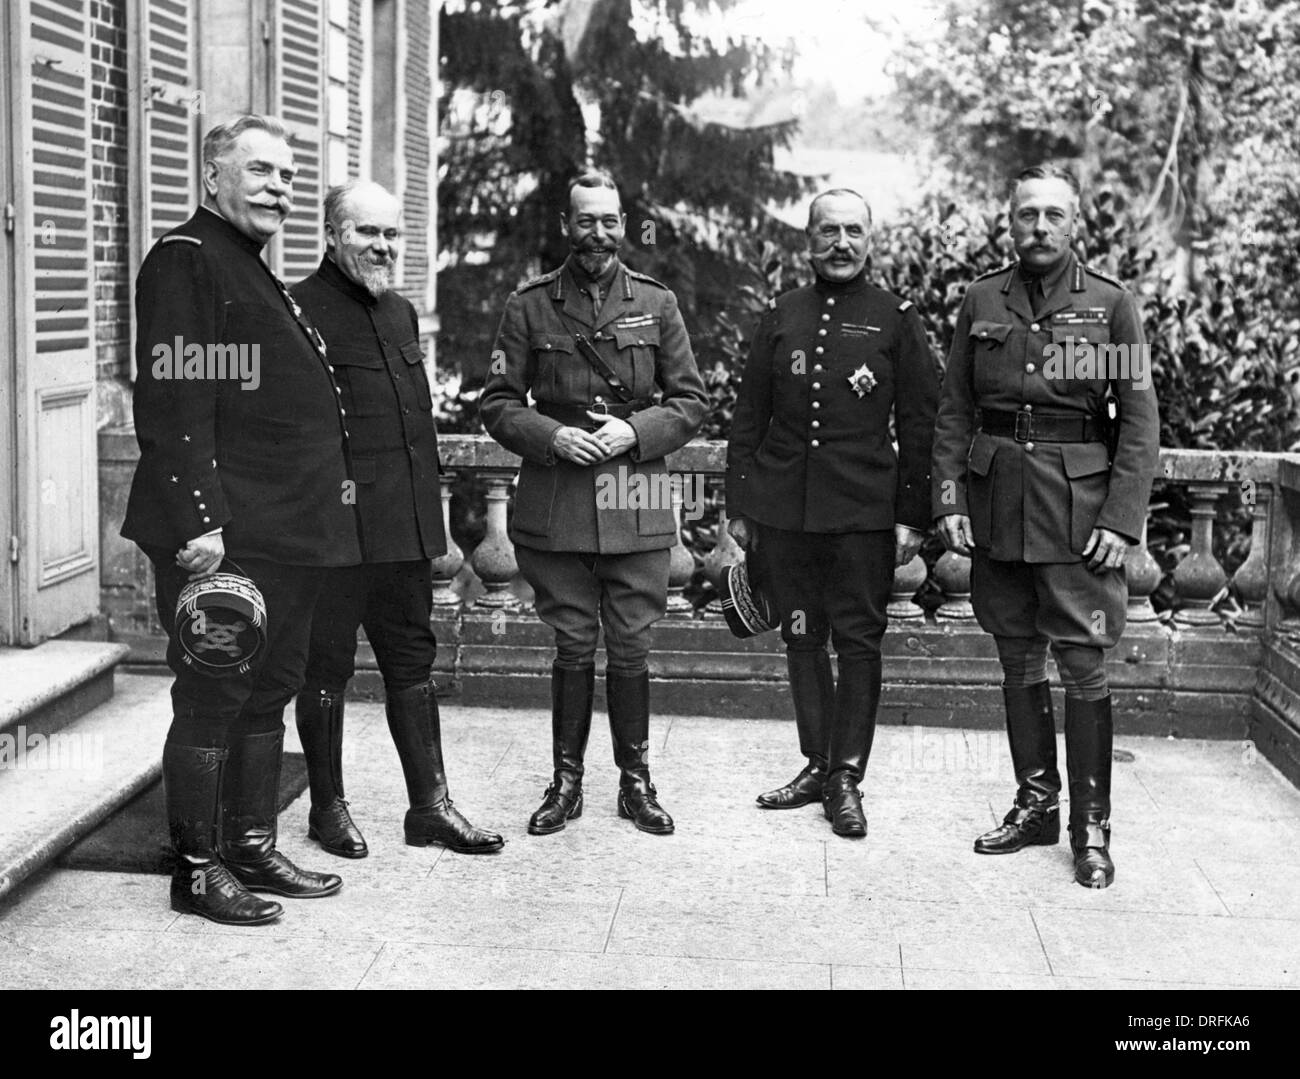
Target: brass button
{"x":825,"y":317}
{"x":816,"y":367}
{"x":817,"y":404}
{"x":1029,"y":367}
{"x":830,"y":302}
{"x":197,"y":493}
{"x":814,"y":443}
{"x":821,"y":332}
{"x":1029,"y":447}
{"x":817,"y":385}
{"x":816,"y":424}
{"x":1034,"y":327}
{"x":819,"y":350}
{"x":1029,"y":408}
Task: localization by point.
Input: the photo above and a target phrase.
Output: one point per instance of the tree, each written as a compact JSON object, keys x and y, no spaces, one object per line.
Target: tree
{"x":533,"y":92}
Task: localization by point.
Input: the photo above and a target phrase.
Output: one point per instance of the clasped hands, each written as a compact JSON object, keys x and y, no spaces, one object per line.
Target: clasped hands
{"x":1104,"y":550}
{"x":615,"y":437}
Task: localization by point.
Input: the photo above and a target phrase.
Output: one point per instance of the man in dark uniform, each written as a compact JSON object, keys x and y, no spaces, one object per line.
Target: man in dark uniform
{"x":245,"y":461}
{"x":817,"y":491}
{"x":373,"y":336}
{"x":604,"y":352}
{"x":1029,"y":488}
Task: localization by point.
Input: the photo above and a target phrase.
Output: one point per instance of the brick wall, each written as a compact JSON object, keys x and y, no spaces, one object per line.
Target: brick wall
{"x":111,"y":232}
{"x":418,"y":85}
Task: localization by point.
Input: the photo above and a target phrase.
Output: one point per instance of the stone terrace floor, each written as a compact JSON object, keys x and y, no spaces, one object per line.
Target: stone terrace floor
{"x":1207,"y":888}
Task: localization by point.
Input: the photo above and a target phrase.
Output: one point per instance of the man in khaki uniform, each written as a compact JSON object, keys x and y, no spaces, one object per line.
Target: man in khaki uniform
{"x":1024,"y":481}
{"x":604,"y":353}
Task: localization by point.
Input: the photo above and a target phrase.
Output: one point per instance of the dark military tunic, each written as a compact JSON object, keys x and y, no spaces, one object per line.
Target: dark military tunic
{"x":640,"y":335}
{"x":264,"y":462}
{"x":375,"y":349}
{"x":808,"y":451}
{"x":1033,"y":501}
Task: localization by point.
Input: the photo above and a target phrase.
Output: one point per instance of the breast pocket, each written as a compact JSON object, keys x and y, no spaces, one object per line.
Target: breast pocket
{"x":413,"y":354}
{"x":362,"y":377}
{"x":638,"y":348}
{"x":549,"y":351}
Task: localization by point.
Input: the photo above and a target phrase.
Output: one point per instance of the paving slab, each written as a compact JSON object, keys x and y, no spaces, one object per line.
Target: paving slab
{"x":1205,"y":895}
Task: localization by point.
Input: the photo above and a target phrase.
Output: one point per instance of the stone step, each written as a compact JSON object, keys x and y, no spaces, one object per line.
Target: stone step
{"x":56,"y":786}
{"x":47,"y":687}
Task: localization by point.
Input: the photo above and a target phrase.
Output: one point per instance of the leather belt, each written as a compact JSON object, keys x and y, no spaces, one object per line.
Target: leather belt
{"x":576,"y":415}
{"x":1029,"y":426}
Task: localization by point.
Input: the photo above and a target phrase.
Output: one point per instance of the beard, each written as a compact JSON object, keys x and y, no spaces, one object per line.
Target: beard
{"x":376,"y":279}
{"x":594,"y":258}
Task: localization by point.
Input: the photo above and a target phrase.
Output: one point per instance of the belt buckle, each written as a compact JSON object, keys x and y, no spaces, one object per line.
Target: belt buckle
{"x":1021,"y":431}
{"x":600,"y":406}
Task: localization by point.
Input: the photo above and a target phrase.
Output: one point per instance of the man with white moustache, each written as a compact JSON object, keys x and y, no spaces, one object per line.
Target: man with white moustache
{"x":372,"y":333}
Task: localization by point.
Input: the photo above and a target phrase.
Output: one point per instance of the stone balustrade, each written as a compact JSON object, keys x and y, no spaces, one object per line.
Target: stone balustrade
{"x":1224,"y":663}
{"x":1266,"y":585}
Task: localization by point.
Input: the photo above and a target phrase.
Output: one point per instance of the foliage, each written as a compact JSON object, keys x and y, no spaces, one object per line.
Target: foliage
{"x":521,"y":117}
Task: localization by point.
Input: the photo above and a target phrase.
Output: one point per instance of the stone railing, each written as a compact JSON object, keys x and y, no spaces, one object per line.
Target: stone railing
{"x":1267,"y":583}
{"x":1226,"y":664}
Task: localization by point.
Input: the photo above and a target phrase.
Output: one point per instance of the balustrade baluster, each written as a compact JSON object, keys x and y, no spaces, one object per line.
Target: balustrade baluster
{"x":952,"y":572}
{"x":448,"y":565}
{"x":1142,"y":572}
{"x":494,"y":559}
{"x":1251,"y":578}
{"x":681,"y":566}
{"x":1199,"y":577}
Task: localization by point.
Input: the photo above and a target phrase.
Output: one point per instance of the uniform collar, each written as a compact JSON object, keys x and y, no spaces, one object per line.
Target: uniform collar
{"x":1057,"y":287}
{"x":331,"y":274}
{"x":208,"y":220}
{"x":841,"y":288}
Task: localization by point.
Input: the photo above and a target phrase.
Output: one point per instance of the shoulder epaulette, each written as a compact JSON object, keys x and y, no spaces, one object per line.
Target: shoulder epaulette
{"x":545,"y":279}
{"x":174,"y":237}
{"x":647,"y":279}
{"x":994,"y":273}
{"x":1104,"y":276}
{"x":905,"y":305}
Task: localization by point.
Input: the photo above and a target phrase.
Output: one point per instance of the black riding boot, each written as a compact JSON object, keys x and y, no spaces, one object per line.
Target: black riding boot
{"x":1088,"y":741}
{"x":813,"y":688}
{"x":248,"y":828}
{"x":200,"y":883}
{"x":414,"y":723}
{"x":571,"y":695}
{"x":628,"y":698}
{"x":320,"y":728}
{"x":1035,"y":819}
{"x":853,"y":729}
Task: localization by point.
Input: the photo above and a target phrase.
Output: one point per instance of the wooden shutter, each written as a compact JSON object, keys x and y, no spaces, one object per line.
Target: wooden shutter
{"x":55,"y":386}
{"x":165,"y":118}
{"x":165,"y":135}
{"x":299,"y":95}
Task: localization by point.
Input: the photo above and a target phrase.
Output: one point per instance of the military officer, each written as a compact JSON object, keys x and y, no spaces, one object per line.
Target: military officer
{"x":373,"y":336}
{"x":244,"y":460}
{"x":604,"y":352}
{"x":1024,"y":481}
{"x":818,"y":493}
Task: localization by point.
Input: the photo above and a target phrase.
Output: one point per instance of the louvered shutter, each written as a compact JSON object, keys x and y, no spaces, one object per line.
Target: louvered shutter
{"x":55,"y":388}
{"x":299,"y":95}
{"x":165,"y":120}
{"x":166,"y":135}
